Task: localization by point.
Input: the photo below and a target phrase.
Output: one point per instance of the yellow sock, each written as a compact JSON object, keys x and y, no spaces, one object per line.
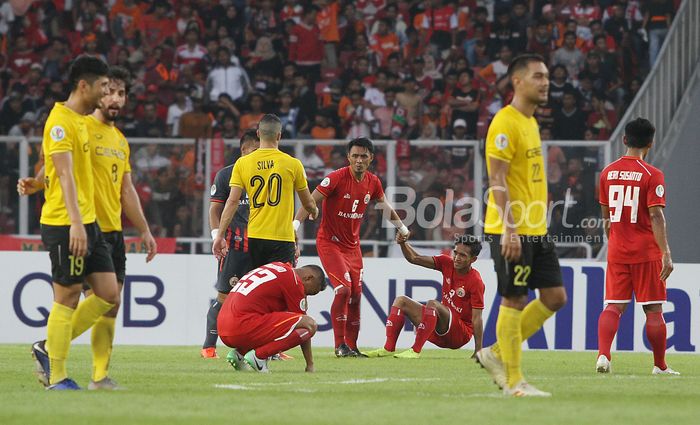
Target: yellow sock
{"x":510,"y":341}
{"x":102,"y":338}
{"x":87,"y":313}
{"x":58,"y":338}
{"x":533,"y":317}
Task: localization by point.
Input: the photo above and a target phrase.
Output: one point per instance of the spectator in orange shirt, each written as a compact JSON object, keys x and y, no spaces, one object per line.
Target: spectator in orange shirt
{"x":252,"y":118}
{"x":384,"y":42}
{"x":126,"y":22}
{"x":159,"y":27}
{"x":327,"y":21}
{"x":323,"y":130}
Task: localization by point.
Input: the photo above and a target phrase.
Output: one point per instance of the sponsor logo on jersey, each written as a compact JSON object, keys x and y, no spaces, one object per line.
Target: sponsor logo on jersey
{"x":57,"y":133}
{"x":347,"y":196}
{"x":213,"y":190}
{"x":501,"y":141}
{"x":660,"y":191}
{"x":98,"y":136}
{"x":326,"y":182}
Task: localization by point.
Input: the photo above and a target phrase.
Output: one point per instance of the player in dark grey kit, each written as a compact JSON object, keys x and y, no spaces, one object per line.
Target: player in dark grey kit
{"x":237,"y":262}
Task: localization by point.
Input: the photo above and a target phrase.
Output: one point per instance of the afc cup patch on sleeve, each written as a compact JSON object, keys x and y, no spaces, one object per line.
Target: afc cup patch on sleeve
{"x":57,"y":133}
{"x":501,"y":141}
{"x":660,"y":191}
{"x":302,"y":305}
{"x":213,"y":190}
{"x":326,"y":182}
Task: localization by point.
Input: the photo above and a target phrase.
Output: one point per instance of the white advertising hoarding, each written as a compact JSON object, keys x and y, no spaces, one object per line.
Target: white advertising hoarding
{"x":165,"y":303}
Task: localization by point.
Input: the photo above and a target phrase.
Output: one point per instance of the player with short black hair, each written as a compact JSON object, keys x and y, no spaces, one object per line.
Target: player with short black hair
{"x":109,"y":151}
{"x":270,"y":177}
{"x":265,"y":314}
{"x":69,"y":230}
{"x":237,"y":261}
{"x":632,"y":200}
{"x":516,"y":225}
{"x":451,"y":322}
{"x":345,"y":194}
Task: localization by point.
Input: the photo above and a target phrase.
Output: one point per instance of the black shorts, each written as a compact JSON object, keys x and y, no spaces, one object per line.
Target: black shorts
{"x":538,"y":266}
{"x":264,"y":251}
{"x":234,"y":265}
{"x":115,"y":242}
{"x":67,"y":270}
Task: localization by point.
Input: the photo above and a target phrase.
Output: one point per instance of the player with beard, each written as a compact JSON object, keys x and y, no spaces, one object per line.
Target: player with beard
{"x":109,"y":153}
{"x":516,"y":227}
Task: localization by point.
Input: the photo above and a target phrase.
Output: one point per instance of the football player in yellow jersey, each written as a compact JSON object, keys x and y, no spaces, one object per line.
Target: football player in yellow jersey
{"x":114,"y":191}
{"x":69,"y":230}
{"x":270,"y":177}
{"x":516,"y":227}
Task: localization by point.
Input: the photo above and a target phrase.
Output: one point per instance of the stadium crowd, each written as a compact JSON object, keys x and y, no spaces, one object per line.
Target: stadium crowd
{"x":405,"y":70}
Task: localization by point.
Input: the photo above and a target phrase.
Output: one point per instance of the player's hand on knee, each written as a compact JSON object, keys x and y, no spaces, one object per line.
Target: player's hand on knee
{"x":77,"y":244}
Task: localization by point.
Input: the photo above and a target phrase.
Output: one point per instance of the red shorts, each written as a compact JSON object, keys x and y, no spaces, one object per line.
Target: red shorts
{"x":456,"y":336}
{"x":250,"y":331}
{"x":622,"y":280}
{"x":343,"y":265}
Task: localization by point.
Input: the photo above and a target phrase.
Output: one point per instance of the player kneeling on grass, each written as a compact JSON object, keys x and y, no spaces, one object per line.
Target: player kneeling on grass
{"x":447,"y":324}
{"x":265,"y":313}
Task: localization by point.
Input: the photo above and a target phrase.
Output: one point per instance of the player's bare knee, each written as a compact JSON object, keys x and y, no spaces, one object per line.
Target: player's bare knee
{"x":554,"y":298}
{"x":401,"y":301}
{"x":221,"y":297}
{"x":432,"y":304}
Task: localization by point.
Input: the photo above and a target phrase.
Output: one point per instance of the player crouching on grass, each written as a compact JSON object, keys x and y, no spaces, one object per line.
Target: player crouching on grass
{"x":447,"y":324}
{"x":265,"y":313}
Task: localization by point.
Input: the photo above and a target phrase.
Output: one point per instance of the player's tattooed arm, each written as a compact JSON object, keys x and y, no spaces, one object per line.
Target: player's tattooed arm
{"x":658,"y":226}
{"x":478,"y":325}
{"x":413,"y":257}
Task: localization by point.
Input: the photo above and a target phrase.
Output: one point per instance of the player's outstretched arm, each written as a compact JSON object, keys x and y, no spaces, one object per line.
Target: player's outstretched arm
{"x":134,"y":212}
{"x":413,"y":257}
{"x":308,"y":202}
{"x":219,"y":247}
{"x":478,"y":325}
{"x":303,"y":214}
{"x":388,"y":210}
{"x":30,"y":185}
{"x":63,"y":162}
{"x":658,"y":226}
{"x":215,"y":211}
{"x":511,"y":247}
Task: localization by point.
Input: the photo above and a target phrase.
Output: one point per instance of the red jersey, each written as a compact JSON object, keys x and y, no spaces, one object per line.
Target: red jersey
{"x":629,"y":187}
{"x":345,"y":204}
{"x":460,"y":292}
{"x":267,"y":289}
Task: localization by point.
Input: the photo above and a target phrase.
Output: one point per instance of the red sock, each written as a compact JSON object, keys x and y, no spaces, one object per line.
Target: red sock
{"x":290,"y":341}
{"x":608,"y":323}
{"x":394,"y":324}
{"x":352,"y":324}
{"x":656,"y":334}
{"x":339,"y":313}
{"x":425,"y":329}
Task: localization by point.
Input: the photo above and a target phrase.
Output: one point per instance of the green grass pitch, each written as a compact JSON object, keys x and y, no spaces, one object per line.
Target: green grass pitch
{"x":172,"y":385}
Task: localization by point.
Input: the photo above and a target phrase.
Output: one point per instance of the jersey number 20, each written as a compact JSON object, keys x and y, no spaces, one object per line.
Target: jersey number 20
{"x":621,"y":196}
{"x":274,"y":190}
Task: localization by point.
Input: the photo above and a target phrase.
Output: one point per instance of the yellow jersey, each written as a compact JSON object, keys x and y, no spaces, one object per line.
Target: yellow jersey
{"x":270,"y":177}
{"x":515,"y":139}
{"x":66,"y":131}
{"x":110,"y":152}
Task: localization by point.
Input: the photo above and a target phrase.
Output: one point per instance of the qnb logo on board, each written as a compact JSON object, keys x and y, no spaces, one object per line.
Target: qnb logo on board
{"x":138,"y":311}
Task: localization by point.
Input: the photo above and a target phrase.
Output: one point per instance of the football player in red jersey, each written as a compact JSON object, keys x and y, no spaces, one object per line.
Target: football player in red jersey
{"x":345,"y":194}
{"x":265,"y":313}
{"x":632,"y":198}
{"x":449,"y":323}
